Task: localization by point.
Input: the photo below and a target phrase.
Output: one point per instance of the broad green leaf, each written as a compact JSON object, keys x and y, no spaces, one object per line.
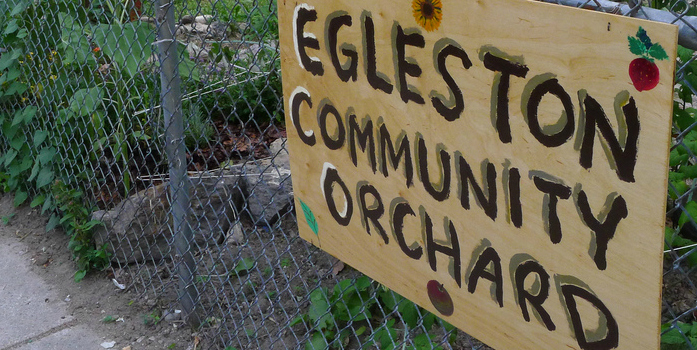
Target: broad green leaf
{"x":390,"y":299}
{"x":319,"y":309}
{"x":19,"y":7}
{"x":297,"y":319}
{"x":47,"y":205}
{"x":44,"y":178}
{"x":428,"y":319}
{"x":674,"y":335}
{"x":11,"y":27}
{"x":317,"y":342}
{"x":7,"y":60}
{"x":24,"y":115}
{"x":684,"y":54}
{"x":363,"y":282}
{"x":16,"y":88}
{"x":243,"y":266}
{"x":46,"y":155}
{"x":79,"y":275}
{"x":86,"y":101}
{"x":34,"y":171}
{"x":309,"y":217}
{"x":691,"y":209}
{"x":40,"y":137}
{"x":38,"y":200}
{"x":409,"y":312}
{"x":10,"y":75}
{"x":18,"y":142}
{"x":52,"y":222}
{"x":10,"y":156}
{"x":20,"y":197}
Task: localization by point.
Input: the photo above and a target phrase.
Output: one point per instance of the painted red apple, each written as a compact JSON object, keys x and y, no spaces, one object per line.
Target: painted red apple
{"x":440,"y":298}
{"x":644,"y":74}
{"x":643,"y":71}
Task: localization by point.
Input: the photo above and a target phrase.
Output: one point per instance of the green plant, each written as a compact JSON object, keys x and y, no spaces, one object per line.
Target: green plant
{"x":267,"y":271}
{"x":109,"y":319}
{"x":352,"y":301}
{"x":75,"y":219}
{"x":198,"y":130}
{"x":243,"y":267}
{"x":172,"y":346}
{"x":676,"y":338}
{"x":6,"y":218}
{"x":151,"y":319}
{"x":285,"y":263}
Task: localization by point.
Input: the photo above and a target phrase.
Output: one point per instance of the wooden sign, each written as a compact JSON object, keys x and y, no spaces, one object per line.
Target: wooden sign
{"x":502,"y":163}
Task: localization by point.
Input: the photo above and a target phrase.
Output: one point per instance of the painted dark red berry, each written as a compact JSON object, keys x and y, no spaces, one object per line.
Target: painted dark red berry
{"x":644,"y":74}
{"x":440,"y":298}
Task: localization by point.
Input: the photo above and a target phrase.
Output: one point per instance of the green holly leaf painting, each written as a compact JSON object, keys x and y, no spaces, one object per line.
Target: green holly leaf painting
{"x":657,"y":52}
{"x":636,"y":46}
{"x":309,"y":217}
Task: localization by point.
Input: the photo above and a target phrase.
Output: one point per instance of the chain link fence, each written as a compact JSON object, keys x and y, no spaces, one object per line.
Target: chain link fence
{"x":165,"y":120}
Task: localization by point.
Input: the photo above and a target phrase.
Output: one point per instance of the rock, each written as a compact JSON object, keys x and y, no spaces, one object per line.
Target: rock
{"x":198,"y":28}
{"x":147,"y":19}
{"x":204,"y":19}
{"x":187,"y":19}
{"x":264,"y":304}
{"x":235,"y":235}
{"x":269,"y":189}
{"x":279,"y":153}
{"x":219,"y":29}
{"x":172,"y":316}
{"x":137,"y":229}
{"x":108,"y":344}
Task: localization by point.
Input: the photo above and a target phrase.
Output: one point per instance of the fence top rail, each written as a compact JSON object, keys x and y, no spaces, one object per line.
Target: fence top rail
{"x":687,"y":24}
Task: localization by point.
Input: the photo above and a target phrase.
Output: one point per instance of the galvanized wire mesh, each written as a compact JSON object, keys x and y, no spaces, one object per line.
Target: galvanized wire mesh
{"x":188,"y":170}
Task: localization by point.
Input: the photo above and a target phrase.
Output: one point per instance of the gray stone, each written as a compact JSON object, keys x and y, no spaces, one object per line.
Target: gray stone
{"x":268,"y":185}
{"x":137,"y":229}
{"x":187,"y":19}
{"x":171,"y":316}
{"x":219,"y":30}
{"x":204,"y":19}
{"x":235,"y":235}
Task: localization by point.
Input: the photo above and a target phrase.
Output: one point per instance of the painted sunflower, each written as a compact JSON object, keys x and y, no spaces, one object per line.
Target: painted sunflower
{"x":427,"y":13}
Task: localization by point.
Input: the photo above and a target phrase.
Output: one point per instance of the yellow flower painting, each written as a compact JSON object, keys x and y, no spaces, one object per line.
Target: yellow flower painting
{"x":428,"y":13}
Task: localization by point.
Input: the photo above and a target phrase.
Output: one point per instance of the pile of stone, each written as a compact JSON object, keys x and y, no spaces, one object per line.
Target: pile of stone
{"x":257,"y":192}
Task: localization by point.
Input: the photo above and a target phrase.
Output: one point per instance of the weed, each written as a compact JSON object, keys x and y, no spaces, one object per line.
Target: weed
{"x":267,"y":272}
{"x":75,"y":219}
{"x":243,"y":267}
{"x":6,"y":219}
{"x":675,"y":338}
{"x":331,"y":313}
{"x":151,"y":319}
{"x":172,"y":346}
{"x":285,"y":263}
{"x":109,"y":319}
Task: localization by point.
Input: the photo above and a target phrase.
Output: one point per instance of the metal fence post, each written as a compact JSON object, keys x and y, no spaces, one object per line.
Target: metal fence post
{"x":176,"y":155}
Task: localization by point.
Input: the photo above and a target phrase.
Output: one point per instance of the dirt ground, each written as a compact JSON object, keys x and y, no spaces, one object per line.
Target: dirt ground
{"x":115,"y":314}
{"x":262,"y":303}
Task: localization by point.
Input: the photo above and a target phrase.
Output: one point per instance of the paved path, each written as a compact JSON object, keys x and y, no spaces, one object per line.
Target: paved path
{"x":32,"y":314}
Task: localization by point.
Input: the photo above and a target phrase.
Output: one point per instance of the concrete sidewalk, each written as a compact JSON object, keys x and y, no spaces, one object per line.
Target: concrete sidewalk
{"x":32,"y":315}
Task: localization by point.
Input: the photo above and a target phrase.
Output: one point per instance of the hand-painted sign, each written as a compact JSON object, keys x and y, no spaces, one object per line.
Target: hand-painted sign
{"x":502,"y":163}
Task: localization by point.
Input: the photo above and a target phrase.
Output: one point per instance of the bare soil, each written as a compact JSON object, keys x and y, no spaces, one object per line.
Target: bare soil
{"x":118,"y":315}
{"x":251,"y":310}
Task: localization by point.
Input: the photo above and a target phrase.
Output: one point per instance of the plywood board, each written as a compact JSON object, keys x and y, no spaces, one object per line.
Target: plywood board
{"x":502,"y":163}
